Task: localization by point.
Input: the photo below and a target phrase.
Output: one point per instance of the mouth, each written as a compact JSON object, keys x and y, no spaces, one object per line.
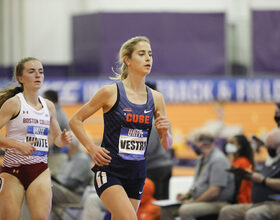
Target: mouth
{"x":148,"y":65}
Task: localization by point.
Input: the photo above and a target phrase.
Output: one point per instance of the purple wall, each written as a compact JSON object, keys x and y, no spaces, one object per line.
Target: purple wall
{"x":6,"y":72}
{"x":86,"y":44}
{"x":183,"y":44}
{"x":51,"y":71}
{"x":266,"y":41}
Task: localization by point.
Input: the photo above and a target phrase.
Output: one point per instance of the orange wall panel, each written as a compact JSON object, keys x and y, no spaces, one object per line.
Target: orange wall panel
{"x":255,"y":118}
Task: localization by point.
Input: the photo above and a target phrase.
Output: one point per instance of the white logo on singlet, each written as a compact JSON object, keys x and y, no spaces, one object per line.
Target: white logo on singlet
{"x":147,"y":111}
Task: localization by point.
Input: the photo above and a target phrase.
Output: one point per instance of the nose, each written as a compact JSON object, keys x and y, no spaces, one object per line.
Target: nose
{"x":37,"y":73}
{"x":148,"y":58}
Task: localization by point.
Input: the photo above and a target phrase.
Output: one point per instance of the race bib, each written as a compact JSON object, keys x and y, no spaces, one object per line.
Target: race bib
{"x":132,"y":143}
{"x":39,"y":134}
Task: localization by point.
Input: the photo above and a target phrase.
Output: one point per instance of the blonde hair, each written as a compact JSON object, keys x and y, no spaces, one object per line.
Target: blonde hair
{"x":9,"y":92}
{"x":126,"y":51}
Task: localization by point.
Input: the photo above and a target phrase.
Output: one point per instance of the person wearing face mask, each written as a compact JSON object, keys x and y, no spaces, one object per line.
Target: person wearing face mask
{"x":277,"y":114}
{"x":212,"y":187}
{"x":240,"y":152}
{"x":265,"y":184}
{"x":194,"y":148}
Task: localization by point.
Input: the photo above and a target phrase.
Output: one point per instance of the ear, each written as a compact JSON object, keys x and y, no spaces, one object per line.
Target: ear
{"x":19,"y":79}
{"x":126,"y":60}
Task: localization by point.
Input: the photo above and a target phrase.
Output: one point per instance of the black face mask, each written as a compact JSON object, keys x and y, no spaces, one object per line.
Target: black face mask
{"x":195,"y":149}
{"x":272,"y":152}
{"x":277,"y":120}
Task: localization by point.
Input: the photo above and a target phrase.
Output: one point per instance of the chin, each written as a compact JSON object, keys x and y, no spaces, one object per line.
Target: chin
{"x":38,"y":86}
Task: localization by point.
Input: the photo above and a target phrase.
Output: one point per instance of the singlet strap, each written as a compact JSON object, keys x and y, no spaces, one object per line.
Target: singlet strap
{"x":117,"y":101}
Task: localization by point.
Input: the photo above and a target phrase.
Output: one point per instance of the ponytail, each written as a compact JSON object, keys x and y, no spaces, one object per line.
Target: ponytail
{"x":9,"y":93}
{"x":13,"y":90}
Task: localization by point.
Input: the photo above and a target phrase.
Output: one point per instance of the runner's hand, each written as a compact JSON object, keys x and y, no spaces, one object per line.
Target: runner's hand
{"x":27,"y":148}
{"x":100,"y":156}
{"x":162,"y":123}
{"x":66,"y":137}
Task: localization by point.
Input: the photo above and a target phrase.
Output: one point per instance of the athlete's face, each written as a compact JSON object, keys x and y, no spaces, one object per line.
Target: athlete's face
{"x":141,"y":59}
{"x":32,"y":75}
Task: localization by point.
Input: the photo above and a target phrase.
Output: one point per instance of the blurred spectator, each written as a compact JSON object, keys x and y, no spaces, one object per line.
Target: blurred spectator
{"x":94,"y":209}
{"x":277,"y":114}
{"x":257,"y":142}
{"x":159,"y":163}
{"x":73,"y":176}
{"x":62,"y":119}
{"x":265,"y":184}
{"x":212,"y":188}
{"x":56,"y":154}
{"x":241,"y":155}
{"x":159,"y":166}
{"x":217,"y":128}
{"x":148,"y":211}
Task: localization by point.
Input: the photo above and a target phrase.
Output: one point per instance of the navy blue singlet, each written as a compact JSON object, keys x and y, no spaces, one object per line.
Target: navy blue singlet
{"x":127,"y":128}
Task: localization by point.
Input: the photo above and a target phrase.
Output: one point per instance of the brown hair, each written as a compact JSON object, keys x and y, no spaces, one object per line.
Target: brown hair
{"x":9,"y":92}
{"x":126,"y":51}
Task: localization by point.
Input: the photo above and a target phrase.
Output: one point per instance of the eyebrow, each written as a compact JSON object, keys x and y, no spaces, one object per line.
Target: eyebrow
{"x":35,"y":69}
{"x":144,"y":51}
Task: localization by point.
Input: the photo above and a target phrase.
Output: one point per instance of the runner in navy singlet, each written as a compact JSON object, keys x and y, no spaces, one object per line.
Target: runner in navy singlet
{"x":27,"y":118}
{"x":129,"y":107}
